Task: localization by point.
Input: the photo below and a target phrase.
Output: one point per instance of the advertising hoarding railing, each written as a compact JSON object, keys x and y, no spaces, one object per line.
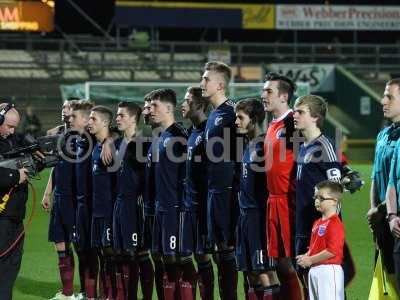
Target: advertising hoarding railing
{"x":98,"y":55}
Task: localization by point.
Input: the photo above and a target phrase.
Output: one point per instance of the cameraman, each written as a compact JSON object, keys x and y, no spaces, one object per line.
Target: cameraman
{"x":13,"y":183}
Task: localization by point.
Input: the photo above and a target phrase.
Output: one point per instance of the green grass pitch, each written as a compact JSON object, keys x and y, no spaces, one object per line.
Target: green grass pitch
{"x":39,"y":279}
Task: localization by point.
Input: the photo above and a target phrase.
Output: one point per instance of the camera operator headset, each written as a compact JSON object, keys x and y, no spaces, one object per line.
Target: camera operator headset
{"x":13,"y":197}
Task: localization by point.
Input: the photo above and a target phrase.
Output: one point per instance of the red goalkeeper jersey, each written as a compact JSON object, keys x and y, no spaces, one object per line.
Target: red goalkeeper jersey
{"x":279,"y":159}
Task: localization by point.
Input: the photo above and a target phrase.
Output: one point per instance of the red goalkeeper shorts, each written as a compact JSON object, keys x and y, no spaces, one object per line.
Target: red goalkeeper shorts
{"x":280,"y":224}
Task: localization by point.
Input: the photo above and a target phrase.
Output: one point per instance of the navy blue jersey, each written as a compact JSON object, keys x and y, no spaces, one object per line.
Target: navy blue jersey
{"x":64,"y":171}
{"x":221,"y":126}
{"x":196,"y":168}
{"x":316,"y":162}
{"x":169,"y":168}
{"x":104,"y":185}
{"x":149,"y":195}
{"x":64,"y":178}
{"x":384,"y":149}
{"x":83,"y":169}
{"x":130,"y":174}
{"x":253,"y":192}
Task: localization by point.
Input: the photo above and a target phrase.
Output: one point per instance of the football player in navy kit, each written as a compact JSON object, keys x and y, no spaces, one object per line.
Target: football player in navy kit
{"x":104,"y":193}
{"x":61,"y":185}
{"x":127,"y":210}
{"x":220,"y":146}
{"x":193,"y":231}
{"x":169,"y":171}
{"x":88,"y":260}
{"x":251,"y":241}
{"x":146,"y":273}
{"x":316,"y":161}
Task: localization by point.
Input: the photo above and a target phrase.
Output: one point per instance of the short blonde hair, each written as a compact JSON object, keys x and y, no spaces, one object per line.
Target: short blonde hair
{"x":220,"y":68}
{"x":317,"y":105}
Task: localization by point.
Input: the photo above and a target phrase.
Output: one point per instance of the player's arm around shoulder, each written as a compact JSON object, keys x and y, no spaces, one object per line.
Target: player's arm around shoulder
{"x":108,"y":150}
{"x":55,"y":130}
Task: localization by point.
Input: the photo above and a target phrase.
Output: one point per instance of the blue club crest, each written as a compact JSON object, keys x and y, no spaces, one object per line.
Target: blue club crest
{"x":322,"y":230}
{"x":218,"y":121}
{"x":198,"y":140}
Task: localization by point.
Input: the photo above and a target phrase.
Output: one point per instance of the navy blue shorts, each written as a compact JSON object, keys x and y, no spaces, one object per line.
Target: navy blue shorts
{"x":126,"y":229}
{"x":146,"y":222}
{"x":62,"y":219}
{"x":193,"y":233}
{"x":221,"y":218}
{"x":101,"y":232}
{"x":82,"y":228}
{"x":146,"y":232}
{"x":251,"y":242}
{"x":166,"y":232}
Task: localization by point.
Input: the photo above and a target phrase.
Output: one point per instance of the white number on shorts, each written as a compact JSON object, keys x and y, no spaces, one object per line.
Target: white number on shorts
{"x":108,"y":234}
{"x":134,"y":239}
{"x":172,"y":242}
{"x":244,"y":170}
{"x":190,"y":153}
{"x":260,"y":257}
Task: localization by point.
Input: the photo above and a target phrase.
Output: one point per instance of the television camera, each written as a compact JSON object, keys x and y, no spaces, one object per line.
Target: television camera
{"x":28,"y":157}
